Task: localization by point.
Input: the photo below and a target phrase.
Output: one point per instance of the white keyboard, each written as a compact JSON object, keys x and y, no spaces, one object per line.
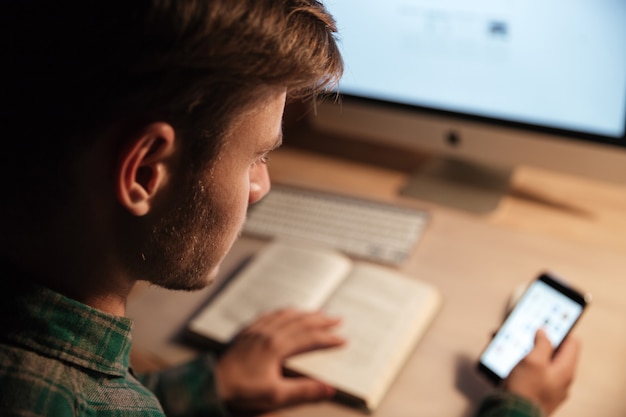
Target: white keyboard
{"x":365,"y":229}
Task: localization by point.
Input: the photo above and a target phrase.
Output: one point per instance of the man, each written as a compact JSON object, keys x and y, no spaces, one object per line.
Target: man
{"x":136,"y":133}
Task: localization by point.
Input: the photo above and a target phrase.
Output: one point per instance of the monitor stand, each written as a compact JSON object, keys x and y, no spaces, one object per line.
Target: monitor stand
{"x":460,"y":184}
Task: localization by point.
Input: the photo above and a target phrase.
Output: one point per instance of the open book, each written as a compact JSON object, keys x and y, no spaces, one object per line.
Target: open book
{"x":384,"y":313}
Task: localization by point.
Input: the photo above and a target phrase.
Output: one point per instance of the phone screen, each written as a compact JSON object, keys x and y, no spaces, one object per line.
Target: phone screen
{"x":546,"y":304}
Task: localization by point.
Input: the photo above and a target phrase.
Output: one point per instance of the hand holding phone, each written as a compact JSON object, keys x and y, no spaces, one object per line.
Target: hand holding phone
{"x":548,"y":303}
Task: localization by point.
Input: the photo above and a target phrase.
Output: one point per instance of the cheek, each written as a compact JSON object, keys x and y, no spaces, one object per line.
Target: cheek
{"x":238,"y":197}
{"x":239,"y":186}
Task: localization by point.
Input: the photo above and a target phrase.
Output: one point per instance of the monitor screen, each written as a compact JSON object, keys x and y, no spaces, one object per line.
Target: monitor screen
{"x":522,"y":73}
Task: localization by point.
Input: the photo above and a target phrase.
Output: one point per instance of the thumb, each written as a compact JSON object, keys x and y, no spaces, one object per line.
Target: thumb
{"x":299,"y":390}
{"x":543,"y":347}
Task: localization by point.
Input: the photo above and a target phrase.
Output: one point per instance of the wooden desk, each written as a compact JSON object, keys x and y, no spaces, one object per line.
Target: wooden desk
{"x":477,"y":262}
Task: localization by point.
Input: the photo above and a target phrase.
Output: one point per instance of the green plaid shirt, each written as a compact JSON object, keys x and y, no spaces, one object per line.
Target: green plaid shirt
{"x":62,"y":358}
{"x":506,"y":404}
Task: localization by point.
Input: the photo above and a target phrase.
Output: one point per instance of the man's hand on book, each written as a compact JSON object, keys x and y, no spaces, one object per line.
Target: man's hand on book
{"x":249,"y":374}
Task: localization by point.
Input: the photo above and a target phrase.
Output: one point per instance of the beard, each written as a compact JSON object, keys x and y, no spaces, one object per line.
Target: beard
{"x":184,"y":245}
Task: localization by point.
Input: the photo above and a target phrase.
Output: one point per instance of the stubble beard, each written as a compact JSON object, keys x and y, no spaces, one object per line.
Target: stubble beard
{"x":186,"y":245}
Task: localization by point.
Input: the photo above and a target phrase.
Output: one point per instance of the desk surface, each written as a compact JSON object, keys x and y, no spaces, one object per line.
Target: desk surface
{"x":572,"y":226}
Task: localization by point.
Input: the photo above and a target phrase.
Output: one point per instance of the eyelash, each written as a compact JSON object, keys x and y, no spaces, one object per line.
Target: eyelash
{"x":265,"y":159}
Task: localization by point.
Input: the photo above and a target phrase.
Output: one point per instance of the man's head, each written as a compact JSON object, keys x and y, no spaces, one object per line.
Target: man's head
{"x":152,"y":107}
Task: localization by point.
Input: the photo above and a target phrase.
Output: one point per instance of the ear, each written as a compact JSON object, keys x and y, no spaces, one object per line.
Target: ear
{"x":143,"y":168}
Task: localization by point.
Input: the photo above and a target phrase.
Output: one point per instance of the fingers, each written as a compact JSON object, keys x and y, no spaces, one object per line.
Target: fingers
{"x":289,"y":392}
{"x":287,"y":332}
{"x":298,"y":390}
{"x":569,"y":351}
{"x":249,"y":374}
{"x":566,"y":358}
{"x":271,"y":322}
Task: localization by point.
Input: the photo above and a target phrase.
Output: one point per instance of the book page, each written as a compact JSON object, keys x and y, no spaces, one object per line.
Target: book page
{"x":384,"y":314}
{"x":282,"y":275}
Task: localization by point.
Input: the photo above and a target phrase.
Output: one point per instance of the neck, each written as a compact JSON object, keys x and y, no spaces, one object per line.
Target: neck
{"x":73,"y":260}
{"x":89,"y":283}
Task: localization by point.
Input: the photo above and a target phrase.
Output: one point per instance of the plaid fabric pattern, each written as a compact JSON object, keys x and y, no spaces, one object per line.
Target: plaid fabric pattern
{"x":59,"y":357}
{"x":507,"y":404}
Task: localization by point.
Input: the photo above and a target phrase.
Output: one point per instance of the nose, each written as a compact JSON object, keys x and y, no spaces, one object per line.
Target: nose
{"x":259,"y":183}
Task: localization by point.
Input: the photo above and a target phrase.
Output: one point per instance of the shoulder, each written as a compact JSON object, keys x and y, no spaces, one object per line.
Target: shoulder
{"x":30,"y":382}
{"x":34,"y":385}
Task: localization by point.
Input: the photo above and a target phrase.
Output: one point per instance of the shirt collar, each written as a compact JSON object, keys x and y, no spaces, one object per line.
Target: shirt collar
{"x":53,"y":325}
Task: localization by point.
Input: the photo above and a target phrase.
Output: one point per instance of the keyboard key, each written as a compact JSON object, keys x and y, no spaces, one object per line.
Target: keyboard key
{"x":362,"y":228}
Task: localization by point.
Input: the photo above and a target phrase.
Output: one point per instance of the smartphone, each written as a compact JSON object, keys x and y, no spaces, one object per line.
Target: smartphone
{"x":547,"y":303}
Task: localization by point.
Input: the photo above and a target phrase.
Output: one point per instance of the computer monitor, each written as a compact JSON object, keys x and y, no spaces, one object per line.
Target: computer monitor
{"x":487,"y":84}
